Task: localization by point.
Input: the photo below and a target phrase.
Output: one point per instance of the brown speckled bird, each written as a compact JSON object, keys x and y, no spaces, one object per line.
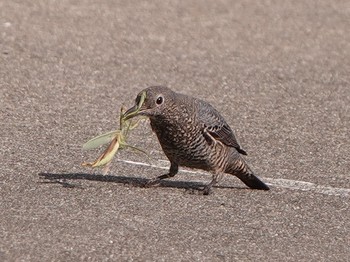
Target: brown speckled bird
{"x":193,"y":134}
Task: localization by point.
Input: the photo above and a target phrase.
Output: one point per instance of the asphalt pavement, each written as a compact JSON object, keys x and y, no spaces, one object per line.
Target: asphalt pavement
{"x":278,"y":71}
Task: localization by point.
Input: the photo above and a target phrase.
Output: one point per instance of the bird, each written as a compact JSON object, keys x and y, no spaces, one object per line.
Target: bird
{"x":192,"y":133}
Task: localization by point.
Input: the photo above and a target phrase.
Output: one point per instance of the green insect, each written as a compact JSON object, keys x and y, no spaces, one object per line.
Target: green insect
{"x":117,"y":139}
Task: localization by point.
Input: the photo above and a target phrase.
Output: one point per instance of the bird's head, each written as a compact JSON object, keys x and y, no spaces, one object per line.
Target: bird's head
{"x":150,"y":102}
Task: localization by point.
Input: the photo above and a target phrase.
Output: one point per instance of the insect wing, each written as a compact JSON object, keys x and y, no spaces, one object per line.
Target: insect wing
{"x":100,"y":140}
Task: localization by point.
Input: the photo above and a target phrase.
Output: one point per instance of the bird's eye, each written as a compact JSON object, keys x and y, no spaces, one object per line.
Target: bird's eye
{"x":159,"y":100}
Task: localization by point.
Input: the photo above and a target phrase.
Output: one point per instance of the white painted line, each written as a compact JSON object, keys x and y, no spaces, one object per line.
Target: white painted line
{"x":159,"y":167}
{"x":308,"y":186}
{"x":276,"y":182}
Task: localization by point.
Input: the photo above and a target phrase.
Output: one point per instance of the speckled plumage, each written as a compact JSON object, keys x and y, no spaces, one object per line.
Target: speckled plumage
{"x":193,"y":134}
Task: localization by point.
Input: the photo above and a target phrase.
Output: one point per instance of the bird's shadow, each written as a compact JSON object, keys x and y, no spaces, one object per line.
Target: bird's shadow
{"x":64,"y":179}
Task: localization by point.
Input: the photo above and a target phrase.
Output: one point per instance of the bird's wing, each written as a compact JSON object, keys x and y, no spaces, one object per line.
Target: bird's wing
{"x":225,"y":135}
{"x":217,"y":127}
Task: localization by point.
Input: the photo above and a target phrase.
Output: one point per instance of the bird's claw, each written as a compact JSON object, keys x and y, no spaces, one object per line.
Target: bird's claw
{"x":207,"y":190}
{"x":152,"y":182}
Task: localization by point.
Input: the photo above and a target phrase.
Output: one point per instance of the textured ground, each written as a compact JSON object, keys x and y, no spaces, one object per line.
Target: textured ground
{"x":277,"y":70}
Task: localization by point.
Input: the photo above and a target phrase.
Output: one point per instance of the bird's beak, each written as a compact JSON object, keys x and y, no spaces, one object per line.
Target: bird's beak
{"x":131,"y":112}
{"x":137,"y":108}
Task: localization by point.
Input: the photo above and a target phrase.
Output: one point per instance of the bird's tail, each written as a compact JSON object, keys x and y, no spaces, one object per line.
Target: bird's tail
{"x":240,"y":169}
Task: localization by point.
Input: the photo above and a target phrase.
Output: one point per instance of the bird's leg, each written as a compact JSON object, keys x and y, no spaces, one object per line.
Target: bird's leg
{"x":216,"y":178}
{"x":174,"y":168}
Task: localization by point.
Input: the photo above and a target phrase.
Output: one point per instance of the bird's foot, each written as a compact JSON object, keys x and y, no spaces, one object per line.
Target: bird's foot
{"x":153,"y":182}
{"x":156,"y":180}
{"x":207,"y":190}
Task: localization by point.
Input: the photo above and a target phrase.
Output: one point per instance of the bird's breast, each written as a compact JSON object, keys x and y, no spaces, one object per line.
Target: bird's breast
{"x":184,"y":143}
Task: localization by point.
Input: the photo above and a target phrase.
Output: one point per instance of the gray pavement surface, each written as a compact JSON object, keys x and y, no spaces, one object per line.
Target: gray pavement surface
{"x":279,"y":71}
